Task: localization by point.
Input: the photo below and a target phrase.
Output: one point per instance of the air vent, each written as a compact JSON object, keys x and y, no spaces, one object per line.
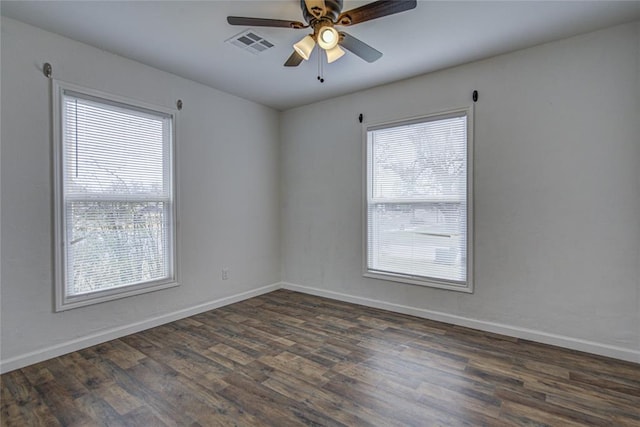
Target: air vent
{"x":250,"y":41}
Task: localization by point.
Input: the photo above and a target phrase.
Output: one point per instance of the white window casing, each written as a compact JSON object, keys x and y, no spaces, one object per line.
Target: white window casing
{"x":418,"y":200}
{"x":114,"y":195}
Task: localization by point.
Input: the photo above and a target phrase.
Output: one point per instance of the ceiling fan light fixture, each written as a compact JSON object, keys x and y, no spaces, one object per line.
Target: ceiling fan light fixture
{"x":304,"y":47}
{"x":328,"y":38}
{"x":335,"y":53}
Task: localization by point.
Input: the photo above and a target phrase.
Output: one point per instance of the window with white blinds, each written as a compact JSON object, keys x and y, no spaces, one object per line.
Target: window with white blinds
{"x":115,"y":197}
{"x":418,"y":201}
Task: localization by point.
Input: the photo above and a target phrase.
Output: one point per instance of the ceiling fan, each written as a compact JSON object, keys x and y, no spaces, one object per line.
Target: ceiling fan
{"x":322,"y":16}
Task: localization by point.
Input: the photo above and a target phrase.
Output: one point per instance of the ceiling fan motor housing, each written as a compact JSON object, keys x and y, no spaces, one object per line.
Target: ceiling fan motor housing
{"x":332,"y":9}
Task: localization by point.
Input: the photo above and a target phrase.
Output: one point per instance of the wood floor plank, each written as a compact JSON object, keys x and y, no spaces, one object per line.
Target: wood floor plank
{"x":118,"y":398}
{"x":290,"y":359}
{"x":21,"y":405}
{"x":551,"y":409}
{"x":338,"y":408}
{"x":394,"y":405}
{"x":97,"y":409}
{"x":221,"y":412}
{"x":274,"y":408}
{"x":76,"y":366}
{"x":162,"y":409}
{"x":142,"y":416}
{"x":62,"y":404}
{"x":37,"y":374}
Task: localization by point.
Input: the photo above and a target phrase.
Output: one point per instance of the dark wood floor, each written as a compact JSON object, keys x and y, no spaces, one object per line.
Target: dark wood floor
{"x":292,"y":359}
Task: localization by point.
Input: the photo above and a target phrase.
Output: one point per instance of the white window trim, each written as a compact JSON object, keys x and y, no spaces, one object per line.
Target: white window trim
{"x":467,"y":286}
{"x":62,"y":300}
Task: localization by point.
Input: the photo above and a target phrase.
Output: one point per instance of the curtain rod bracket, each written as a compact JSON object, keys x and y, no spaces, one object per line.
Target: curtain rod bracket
{"x":475,"y":96}
{"x":47,"y":70}
{"x":179,"y":104}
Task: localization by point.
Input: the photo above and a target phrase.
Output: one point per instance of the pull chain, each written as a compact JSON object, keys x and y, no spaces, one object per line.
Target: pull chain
{"x":320,"y":66}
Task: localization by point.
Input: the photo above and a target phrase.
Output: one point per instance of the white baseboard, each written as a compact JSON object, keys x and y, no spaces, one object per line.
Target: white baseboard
{"x":26,"y":359}
{"x":627,"y":354}
{"x":40,"y":355}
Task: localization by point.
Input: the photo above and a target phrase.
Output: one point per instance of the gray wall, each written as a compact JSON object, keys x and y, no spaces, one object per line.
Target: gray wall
{"x":557,"y":193}
{"x":227,"y":152}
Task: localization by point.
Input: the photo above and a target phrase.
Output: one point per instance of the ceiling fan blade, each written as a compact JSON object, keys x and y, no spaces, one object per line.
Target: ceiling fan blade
{"x":374,"y":10}
{"x":294,"y":60}
{"x":316,"y":8}
{"x":264,"y":22}
{"x":359,"y":47}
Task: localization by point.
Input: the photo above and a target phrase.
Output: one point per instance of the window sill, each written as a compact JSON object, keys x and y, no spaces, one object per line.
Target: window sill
{"x":112,"y":294}
{"x":420,"y":281}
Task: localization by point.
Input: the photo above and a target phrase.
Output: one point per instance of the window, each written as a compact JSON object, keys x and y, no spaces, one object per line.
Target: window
{"x":115,"y":201}
{"x":418,"y":224}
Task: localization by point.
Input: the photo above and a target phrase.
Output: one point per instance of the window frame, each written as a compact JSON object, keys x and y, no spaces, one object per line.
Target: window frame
{"x":63,"y":301}
{"x":468,"y":285}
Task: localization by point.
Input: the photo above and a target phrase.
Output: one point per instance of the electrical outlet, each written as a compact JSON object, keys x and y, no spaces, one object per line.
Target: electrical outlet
{"x":225,"y":273}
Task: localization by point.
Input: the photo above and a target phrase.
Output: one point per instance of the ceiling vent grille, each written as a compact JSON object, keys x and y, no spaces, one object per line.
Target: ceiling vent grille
{"x":250,"y":41}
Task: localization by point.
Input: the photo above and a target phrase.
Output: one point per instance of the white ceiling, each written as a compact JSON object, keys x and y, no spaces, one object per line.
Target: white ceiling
{"x":187,"y":38}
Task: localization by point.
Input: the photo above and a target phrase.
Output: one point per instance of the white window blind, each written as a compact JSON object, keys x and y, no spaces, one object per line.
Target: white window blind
{"x":417,"y":200}
{"x":117,"y":197}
